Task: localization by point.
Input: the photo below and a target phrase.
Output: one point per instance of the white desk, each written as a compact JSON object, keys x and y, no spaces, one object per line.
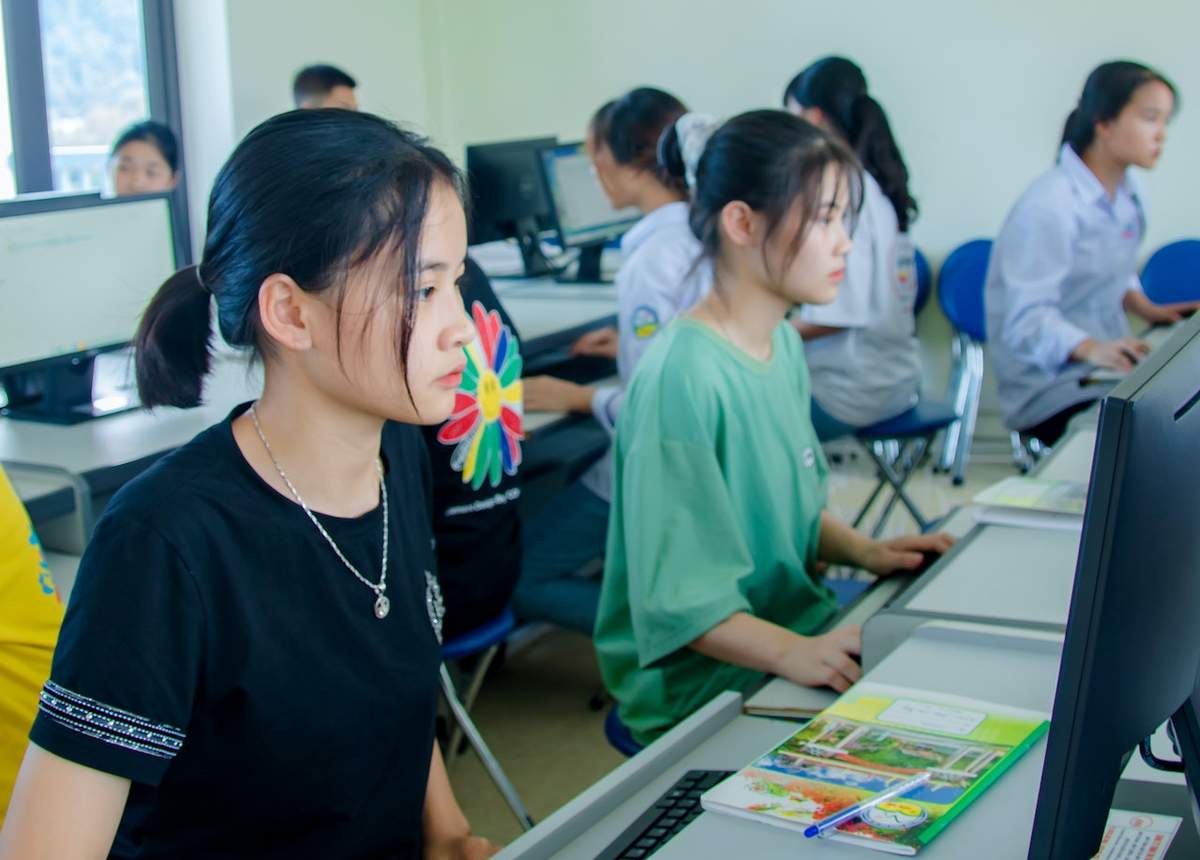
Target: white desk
{"x":1016,"y":668}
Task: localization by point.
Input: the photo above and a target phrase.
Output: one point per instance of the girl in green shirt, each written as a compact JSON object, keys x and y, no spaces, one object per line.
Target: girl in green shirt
{"x":718,"y":514}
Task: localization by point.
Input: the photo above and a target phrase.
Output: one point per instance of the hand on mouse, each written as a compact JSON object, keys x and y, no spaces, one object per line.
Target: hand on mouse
{"x":902,"y":554}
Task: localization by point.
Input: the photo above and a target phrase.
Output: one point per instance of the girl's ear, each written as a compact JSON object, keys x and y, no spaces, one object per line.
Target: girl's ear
{"x":738,"y":224}
{"x":284,"y":309}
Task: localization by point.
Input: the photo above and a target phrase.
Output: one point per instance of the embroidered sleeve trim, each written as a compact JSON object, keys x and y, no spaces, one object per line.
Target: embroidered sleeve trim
{"x":109,"y":724}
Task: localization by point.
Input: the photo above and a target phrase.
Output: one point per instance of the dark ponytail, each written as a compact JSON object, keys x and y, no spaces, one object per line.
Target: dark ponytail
{"x":770,"y":160}
{"x":838,"y":87}
{"x":670,"y":155}
{"x":309,"y":194}
{"x":1108,"y":89}
{"x":172,"y":342}
{"x":633,"y":126}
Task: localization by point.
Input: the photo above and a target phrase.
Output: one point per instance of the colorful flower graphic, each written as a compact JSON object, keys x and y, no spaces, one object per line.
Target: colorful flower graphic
{"x":486,"y":423}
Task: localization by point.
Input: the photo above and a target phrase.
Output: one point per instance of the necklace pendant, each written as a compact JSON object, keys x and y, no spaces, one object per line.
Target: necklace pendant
{"x":382,"y":607}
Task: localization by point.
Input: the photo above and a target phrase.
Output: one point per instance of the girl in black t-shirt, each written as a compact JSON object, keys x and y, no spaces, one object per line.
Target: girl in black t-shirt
{"x":249,"y":663}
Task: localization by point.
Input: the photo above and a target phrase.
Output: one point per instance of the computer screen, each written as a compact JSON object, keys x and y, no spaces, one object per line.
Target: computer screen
{"x":77,"y":280}
{"x":582,"y":210}
{"x":506,"y":188}
{"x":1132,"y":647}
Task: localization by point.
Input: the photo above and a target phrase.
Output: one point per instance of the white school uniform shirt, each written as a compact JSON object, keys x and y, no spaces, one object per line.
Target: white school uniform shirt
{"x":1059,"y":271}
{"x":872,"y":370}
{"x":661,"y":275}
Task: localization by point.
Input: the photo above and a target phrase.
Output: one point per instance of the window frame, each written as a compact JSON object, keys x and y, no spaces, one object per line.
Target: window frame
{"x":30,"y":121}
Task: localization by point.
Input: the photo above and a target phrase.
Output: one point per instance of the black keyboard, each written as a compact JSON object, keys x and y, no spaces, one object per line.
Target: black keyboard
{"x":676,"y":809}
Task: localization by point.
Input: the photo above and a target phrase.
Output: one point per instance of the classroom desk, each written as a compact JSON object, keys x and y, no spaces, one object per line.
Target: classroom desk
{"x":46,"y":493}
{"x":996,"y":574}
{"x":106,"y":453}
{"x":1017,"y":668}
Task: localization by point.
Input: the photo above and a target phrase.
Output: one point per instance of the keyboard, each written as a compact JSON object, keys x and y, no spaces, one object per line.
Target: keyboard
{"x":678,"y":807}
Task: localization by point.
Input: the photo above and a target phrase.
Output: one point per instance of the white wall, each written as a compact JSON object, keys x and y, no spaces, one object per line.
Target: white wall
{"x":377,"y":41}
{"x":977,"y":91}
{"x":206,"y":93}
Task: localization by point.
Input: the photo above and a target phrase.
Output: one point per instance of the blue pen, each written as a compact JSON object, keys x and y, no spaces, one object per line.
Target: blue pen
{"x":820,"y":828}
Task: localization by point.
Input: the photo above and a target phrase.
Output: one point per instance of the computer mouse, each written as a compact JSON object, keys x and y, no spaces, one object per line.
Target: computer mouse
{"x":928,"y":558}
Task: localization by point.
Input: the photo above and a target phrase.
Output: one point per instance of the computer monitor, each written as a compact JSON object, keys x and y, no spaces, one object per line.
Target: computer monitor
{"x":508,"y":198}
{"x":74,"y":283}
{"x":1132,"y":647}
{"x":583,"y":215}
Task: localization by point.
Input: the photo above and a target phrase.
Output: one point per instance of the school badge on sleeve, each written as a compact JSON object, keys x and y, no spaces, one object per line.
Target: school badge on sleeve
{"x":645,"y":321}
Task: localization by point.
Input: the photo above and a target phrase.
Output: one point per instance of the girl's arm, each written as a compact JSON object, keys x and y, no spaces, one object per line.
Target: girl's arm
{"x":61,"y":810}
{"x":840,"y":544}
{"x":550,"y":394}
{"x":447,"y":833}
{"x":745,"y":640}
{"x":1135,"y":301}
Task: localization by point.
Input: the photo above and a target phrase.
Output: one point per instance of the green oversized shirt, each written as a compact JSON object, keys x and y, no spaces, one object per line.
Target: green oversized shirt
{"x":718,"y":491}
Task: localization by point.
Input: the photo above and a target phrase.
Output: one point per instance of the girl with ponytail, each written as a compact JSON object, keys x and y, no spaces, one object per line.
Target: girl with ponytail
{"x":862,"y":348}
{"x":1063,"y":271}
{"x":660,"y":276}
{"x":719,"y":483}
{"x":249,"y":663}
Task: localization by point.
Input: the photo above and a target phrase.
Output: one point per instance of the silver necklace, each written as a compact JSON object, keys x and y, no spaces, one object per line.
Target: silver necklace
{"x":382,"y":604}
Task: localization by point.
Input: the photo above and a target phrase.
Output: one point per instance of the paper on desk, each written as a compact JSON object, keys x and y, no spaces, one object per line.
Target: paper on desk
{"x":1136,"y":836}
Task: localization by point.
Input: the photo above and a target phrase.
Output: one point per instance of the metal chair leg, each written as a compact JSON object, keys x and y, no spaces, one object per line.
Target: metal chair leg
{"x":485,"y":754}
{"x":896,"y":479}
{"x":958,"y":389}
{"x":974,"y":356}
{"x":468,"y":700}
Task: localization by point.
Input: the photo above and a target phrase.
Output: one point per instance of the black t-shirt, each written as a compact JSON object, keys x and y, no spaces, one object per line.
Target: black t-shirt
{"x":219,"y":655}
{"x":476,"y":459}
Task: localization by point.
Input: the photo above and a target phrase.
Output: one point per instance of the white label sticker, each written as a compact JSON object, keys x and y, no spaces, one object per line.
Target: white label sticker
{"x":1136,"y":836}
{"x":936,"y":718}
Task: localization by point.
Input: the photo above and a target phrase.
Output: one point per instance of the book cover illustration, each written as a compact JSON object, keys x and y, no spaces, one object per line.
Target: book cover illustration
{"x":1033,"y":494}
{"x":873,"y":737}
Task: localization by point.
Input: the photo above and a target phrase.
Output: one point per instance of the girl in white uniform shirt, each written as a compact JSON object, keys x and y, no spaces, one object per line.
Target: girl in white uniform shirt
{"x":1063,"y":269}
{"x":862,"y":348}
{"x":660,"y":276}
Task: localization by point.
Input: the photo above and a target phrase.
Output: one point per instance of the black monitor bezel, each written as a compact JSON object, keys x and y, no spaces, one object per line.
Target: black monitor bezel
{"x":1064,"y":757}
{"x":473,"y":151}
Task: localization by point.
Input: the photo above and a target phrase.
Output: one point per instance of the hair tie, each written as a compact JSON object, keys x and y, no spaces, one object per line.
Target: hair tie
{"x":693,"y":131}
{"x":199,"y":279}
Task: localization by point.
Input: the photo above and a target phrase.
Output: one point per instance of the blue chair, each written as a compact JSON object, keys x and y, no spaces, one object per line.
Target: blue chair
{"x":484,"y":642}
{"x":1172,"y":274}
{"x":960,"y":294}
{"x":619,"y":736}
{"x":924,"y":282}
{"x":914,"y":431}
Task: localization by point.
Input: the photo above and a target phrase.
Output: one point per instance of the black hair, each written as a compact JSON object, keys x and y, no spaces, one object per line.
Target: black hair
{"x":633,"y":125}
{"x":770,"y":160}
{"x":1108,"y":89}
{"x":597,"y":129}
{"x":309,"y":194}
{"x":838,"y":87}
{"x":161,"y":136}
{"x":317,"y":81}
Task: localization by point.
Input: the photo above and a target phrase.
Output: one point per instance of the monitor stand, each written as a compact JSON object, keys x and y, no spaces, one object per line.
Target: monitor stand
{"x":588,"y":269}
{"x":61,"y":393}
{"x":1184,"y":731}
{"x":530,"y":242}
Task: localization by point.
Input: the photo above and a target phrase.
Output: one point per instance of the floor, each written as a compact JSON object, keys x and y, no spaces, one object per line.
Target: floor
{"x":534,"y":711}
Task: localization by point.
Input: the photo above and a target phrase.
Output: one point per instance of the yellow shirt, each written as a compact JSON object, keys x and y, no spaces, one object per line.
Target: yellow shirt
{"x":30,"y":615}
